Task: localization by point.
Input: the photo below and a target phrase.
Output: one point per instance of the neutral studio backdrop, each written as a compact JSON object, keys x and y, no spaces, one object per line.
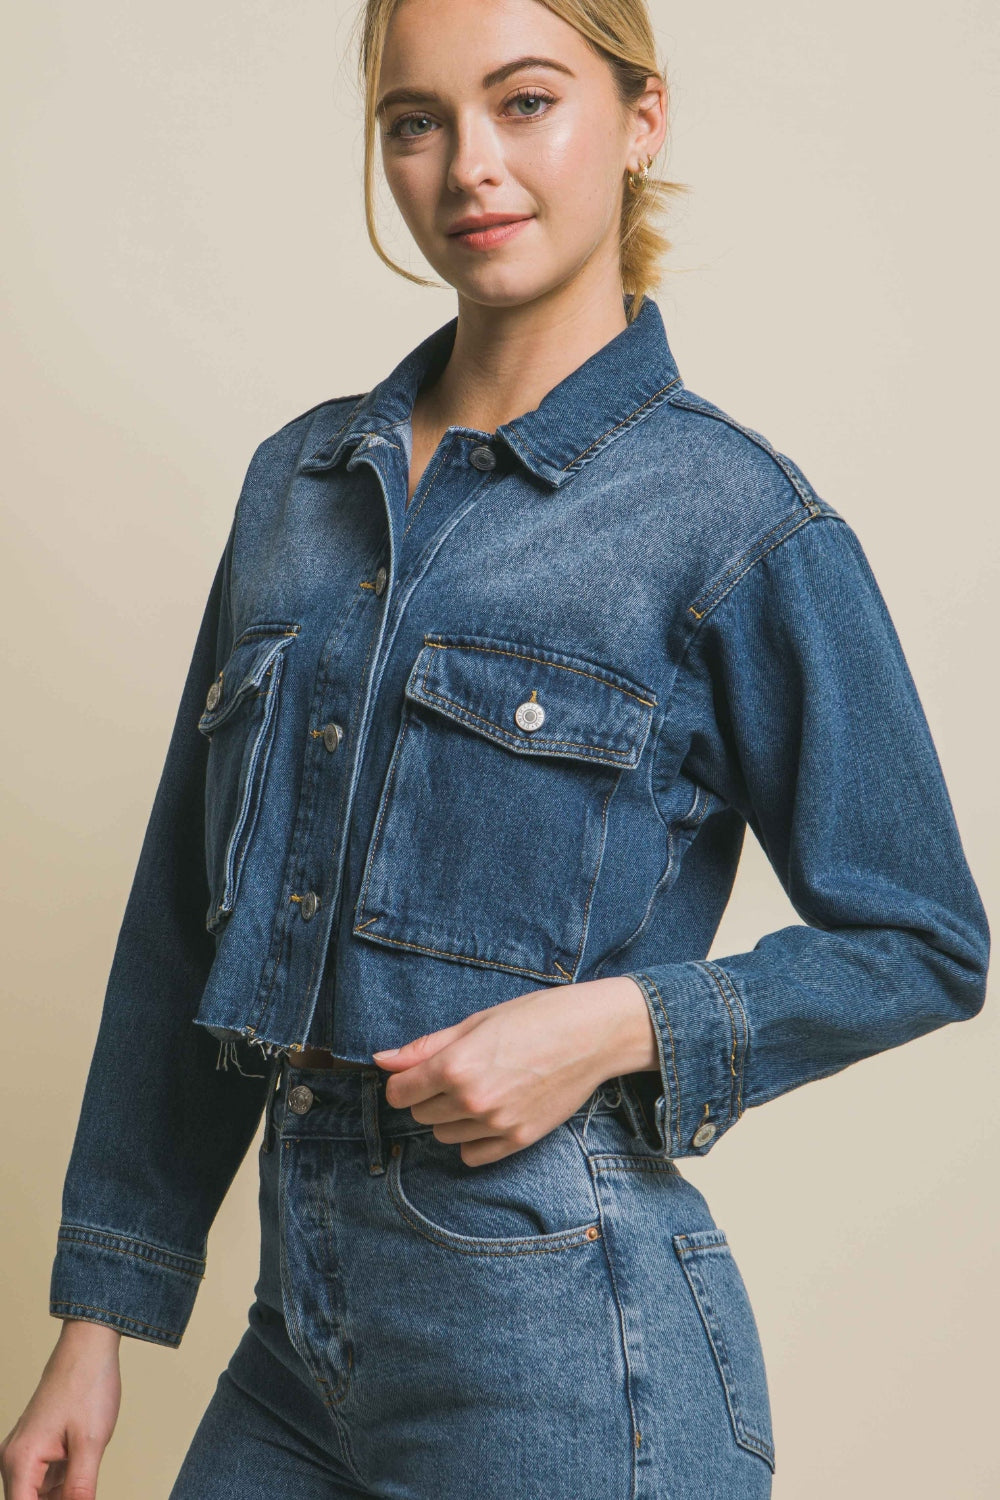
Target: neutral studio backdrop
{"x":186,"y":269}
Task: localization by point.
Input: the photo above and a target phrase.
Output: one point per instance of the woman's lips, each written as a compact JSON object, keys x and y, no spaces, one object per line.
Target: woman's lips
{"x":494,"y":234}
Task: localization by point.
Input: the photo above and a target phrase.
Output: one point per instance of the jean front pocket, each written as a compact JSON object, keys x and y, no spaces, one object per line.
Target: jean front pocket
{"x":492,"y":819}
{"x":239,"y":720}
{"x":537,"y":1199}
{"x":726,"y":1313}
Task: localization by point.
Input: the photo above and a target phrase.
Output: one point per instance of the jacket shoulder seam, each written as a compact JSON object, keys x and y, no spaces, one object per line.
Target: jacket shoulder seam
{"x":288,"y":428}
{"x":329,"y":403}
{"x":738,"y":570}
{"x":689,"y":401}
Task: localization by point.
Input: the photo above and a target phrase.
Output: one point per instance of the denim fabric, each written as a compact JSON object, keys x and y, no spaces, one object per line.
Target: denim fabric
{"x":567,"y":1322}
{"x":510,"y":736}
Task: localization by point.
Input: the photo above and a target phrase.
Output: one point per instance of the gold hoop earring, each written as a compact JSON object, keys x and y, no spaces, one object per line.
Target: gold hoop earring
{"x":637,"y":180}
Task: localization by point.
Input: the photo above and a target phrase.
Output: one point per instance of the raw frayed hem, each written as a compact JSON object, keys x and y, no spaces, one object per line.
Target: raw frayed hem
{"x":228,"y":1054}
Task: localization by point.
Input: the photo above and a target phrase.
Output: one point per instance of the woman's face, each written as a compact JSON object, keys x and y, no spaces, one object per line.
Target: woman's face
{"x":545,"y":143}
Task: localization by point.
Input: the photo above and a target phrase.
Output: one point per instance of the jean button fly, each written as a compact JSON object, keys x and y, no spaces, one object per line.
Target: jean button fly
{"x":483,"y":458}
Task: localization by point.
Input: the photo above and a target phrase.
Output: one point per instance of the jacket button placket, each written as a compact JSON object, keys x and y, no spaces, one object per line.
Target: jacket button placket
{"x":333,"y":734}
{"x":482,"y":457}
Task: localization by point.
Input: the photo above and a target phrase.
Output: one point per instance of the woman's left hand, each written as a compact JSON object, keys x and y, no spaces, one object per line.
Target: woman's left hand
{"x":506,"y":1076}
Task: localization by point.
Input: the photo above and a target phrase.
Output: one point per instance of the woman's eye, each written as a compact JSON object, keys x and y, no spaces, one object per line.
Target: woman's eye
{"x":397,"y":128}
{"x":532,"y":97}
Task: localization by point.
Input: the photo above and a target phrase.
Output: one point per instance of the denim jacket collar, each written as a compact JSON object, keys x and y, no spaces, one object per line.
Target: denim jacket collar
{"x":619,"y":385}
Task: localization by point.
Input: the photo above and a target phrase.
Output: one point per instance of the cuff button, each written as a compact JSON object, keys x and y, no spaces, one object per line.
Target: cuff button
{"x":703,"y":1134}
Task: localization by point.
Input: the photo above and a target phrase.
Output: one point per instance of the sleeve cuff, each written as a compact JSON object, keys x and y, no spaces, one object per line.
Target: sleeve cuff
{"x":701,"y":1038}
{"x":141,"y":1289}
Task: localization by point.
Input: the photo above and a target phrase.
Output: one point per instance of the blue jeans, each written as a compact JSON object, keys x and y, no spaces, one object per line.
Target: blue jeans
{"x":567,"y":1322}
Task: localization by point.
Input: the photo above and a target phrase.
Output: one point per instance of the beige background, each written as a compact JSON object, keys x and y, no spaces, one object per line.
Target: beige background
{"x":186,"y":270}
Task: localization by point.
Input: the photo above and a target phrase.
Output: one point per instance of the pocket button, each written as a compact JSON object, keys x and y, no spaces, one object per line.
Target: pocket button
{"x":300,"y":1098}
{"x":214,"y":694}
{"x":529,"y":715}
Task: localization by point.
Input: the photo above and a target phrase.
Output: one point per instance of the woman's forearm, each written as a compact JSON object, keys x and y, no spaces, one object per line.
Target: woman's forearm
{"x":621,"y":1018}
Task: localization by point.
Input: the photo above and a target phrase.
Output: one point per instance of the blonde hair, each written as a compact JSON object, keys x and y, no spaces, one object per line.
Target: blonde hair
{"x":621,"y":32}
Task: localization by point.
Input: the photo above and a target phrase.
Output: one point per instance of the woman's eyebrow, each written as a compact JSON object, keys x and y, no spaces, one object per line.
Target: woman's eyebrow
{"x":421,"y":96}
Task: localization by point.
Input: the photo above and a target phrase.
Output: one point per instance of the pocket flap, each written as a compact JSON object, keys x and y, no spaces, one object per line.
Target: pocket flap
{"x":243,"y":674}
{"x":533,"y":701}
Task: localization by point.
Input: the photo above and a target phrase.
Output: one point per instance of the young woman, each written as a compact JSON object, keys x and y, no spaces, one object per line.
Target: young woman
{"x":500,"y":660}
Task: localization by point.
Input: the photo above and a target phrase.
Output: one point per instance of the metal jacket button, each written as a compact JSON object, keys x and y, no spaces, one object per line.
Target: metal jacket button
{"x":529,"y":715}
{"x":300,"y":1098}
{"x":309,"y":905}
{"x":214,"y":694}
{"x":380,"y":578}
{"x":703,"y":1134}
{"x":482,"y":457}
{"x":332,"y":735}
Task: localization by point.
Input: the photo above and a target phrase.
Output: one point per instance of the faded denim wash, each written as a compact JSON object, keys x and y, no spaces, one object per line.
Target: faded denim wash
{"x":510,"y":736}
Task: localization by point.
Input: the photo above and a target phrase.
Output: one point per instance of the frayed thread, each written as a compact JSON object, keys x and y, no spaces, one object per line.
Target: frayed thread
{"x":599,"y":1096}
{"x":227,"y":1055}
{"x":268,"y":1049}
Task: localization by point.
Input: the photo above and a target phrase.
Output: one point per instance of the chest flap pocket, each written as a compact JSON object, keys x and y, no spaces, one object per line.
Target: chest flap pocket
{"x":491,"y":823}
{"x":239,"y":720}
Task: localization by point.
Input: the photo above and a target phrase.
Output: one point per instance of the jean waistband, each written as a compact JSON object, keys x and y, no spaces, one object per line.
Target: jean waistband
{"x":330,"y":1102}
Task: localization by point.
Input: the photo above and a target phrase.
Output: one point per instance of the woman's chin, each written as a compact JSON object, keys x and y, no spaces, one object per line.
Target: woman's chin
{"x":497,"y":285}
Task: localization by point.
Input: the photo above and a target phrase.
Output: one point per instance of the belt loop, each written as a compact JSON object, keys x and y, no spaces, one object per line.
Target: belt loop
{"x":595,"y":1099}
{"x":631,"y":1105}
{"x":274,"y":1083}
{"x":369,"y":1114}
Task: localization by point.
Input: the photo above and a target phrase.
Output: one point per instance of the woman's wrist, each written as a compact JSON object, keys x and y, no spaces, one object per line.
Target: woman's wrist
{"x":628,"y":1038}
{"x":88,"y":1331}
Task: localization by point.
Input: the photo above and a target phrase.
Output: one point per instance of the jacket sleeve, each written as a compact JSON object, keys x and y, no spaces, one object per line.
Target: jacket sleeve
{"x":161,"y":1130}
{"x":808,"y":722}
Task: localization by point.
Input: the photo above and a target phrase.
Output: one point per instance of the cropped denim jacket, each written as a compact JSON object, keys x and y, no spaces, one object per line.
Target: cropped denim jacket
{"x":428,"y":757}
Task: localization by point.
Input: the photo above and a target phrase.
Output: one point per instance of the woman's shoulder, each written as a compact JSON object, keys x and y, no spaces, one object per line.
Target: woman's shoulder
{"x":309,"y":429}
{"x":716,"y":496}
{"x":737,"y":467}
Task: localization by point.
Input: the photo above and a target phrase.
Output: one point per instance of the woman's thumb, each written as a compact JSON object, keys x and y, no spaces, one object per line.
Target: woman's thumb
{"x":82,"y":1463}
